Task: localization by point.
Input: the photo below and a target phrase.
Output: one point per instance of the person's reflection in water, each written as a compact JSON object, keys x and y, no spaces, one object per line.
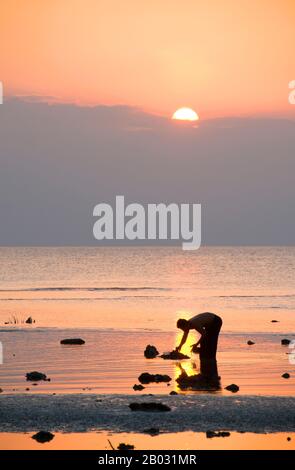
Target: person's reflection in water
{"x":207,"y":380}
{"x":209,"y":372}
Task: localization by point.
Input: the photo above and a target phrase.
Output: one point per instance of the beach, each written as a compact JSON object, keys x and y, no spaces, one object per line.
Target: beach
{"x":119,"y":300}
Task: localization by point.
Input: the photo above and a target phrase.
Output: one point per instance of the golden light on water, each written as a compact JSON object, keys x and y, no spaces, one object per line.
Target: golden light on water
{"x":186,"y":348}
{"x":188,"y":366}
{"x":185,"y":114}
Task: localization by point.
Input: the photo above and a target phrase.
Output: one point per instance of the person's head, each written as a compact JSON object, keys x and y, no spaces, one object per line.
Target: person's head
{"x":182,"y":324}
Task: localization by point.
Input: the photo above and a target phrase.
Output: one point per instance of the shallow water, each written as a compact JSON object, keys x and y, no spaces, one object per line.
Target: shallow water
{"x":111,"y":360}
{"x":175,"y":441}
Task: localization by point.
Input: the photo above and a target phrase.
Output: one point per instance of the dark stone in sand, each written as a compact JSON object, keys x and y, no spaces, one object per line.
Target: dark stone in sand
{"x":36,"y":376}
{"x":151,"y":352}
{"x":138,"y":387}
{"x":210,"y":434}
{"x":275,"y":321}
{"x":1,"y":390}
{"x":146,"y":378}
{"x":149,"y":406}
{"x":123,"y":446}
{"x":250,"y":342}
{"x":289,"y":439}
{"x":173,"y":393}
{"x":233,"y":388}
{"x":43,"y":436}
{"x":152,"y":431}
{"x":72,"y":341}
{"x":27,"y":389}
{"x":174,"y":355}
{"x":285,"y":342}
{"x":29,"y":320}
{"x":286,"y":375}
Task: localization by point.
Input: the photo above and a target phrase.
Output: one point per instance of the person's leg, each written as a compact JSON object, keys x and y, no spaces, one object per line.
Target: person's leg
{"x":215,"y":336}
{"x":210,"y":340}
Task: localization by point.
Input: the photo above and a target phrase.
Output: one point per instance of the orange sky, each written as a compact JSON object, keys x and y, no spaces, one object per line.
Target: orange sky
{"x":221,"y":57}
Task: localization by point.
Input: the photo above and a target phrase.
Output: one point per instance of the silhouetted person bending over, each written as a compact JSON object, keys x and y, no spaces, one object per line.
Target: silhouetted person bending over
{"x":208,"y":325}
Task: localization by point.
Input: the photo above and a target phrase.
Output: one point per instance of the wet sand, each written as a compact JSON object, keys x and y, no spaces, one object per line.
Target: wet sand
{"x":198,"y":413}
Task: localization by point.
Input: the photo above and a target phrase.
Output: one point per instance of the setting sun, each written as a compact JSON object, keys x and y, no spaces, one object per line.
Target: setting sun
{"x":185,"y":114}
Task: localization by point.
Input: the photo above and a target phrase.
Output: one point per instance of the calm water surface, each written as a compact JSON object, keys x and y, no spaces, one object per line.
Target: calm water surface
{"x":148,"y":287}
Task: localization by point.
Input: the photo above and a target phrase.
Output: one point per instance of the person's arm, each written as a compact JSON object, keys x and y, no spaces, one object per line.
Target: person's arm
{"x":183,"y":340}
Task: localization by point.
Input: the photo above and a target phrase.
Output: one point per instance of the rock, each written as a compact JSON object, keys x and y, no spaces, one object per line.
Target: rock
{"x":43,"y":436}
{"x":138,"y":387}
{"x":149,"y":406}
{"x":72,"y":341}
{"x":152,"y":431}
{"x":210,"y":434}
{"x":146,"y":378}
{"x":233,"y":388}
{"x":174,"y":355}
{"x":286,"y":375}
{"x":123,"y":446}
{"x":285,"y":342}
{"x":27,"y":389}
{"x":36,"y":376}
{"x":173,"y":392}
{"x":151,"y":352}
{"x":275,"y":321}
{"x":288,"y":438}
{"x":250,"y":343}
{"x":29,"y":320}
{"x":1,"y":390}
